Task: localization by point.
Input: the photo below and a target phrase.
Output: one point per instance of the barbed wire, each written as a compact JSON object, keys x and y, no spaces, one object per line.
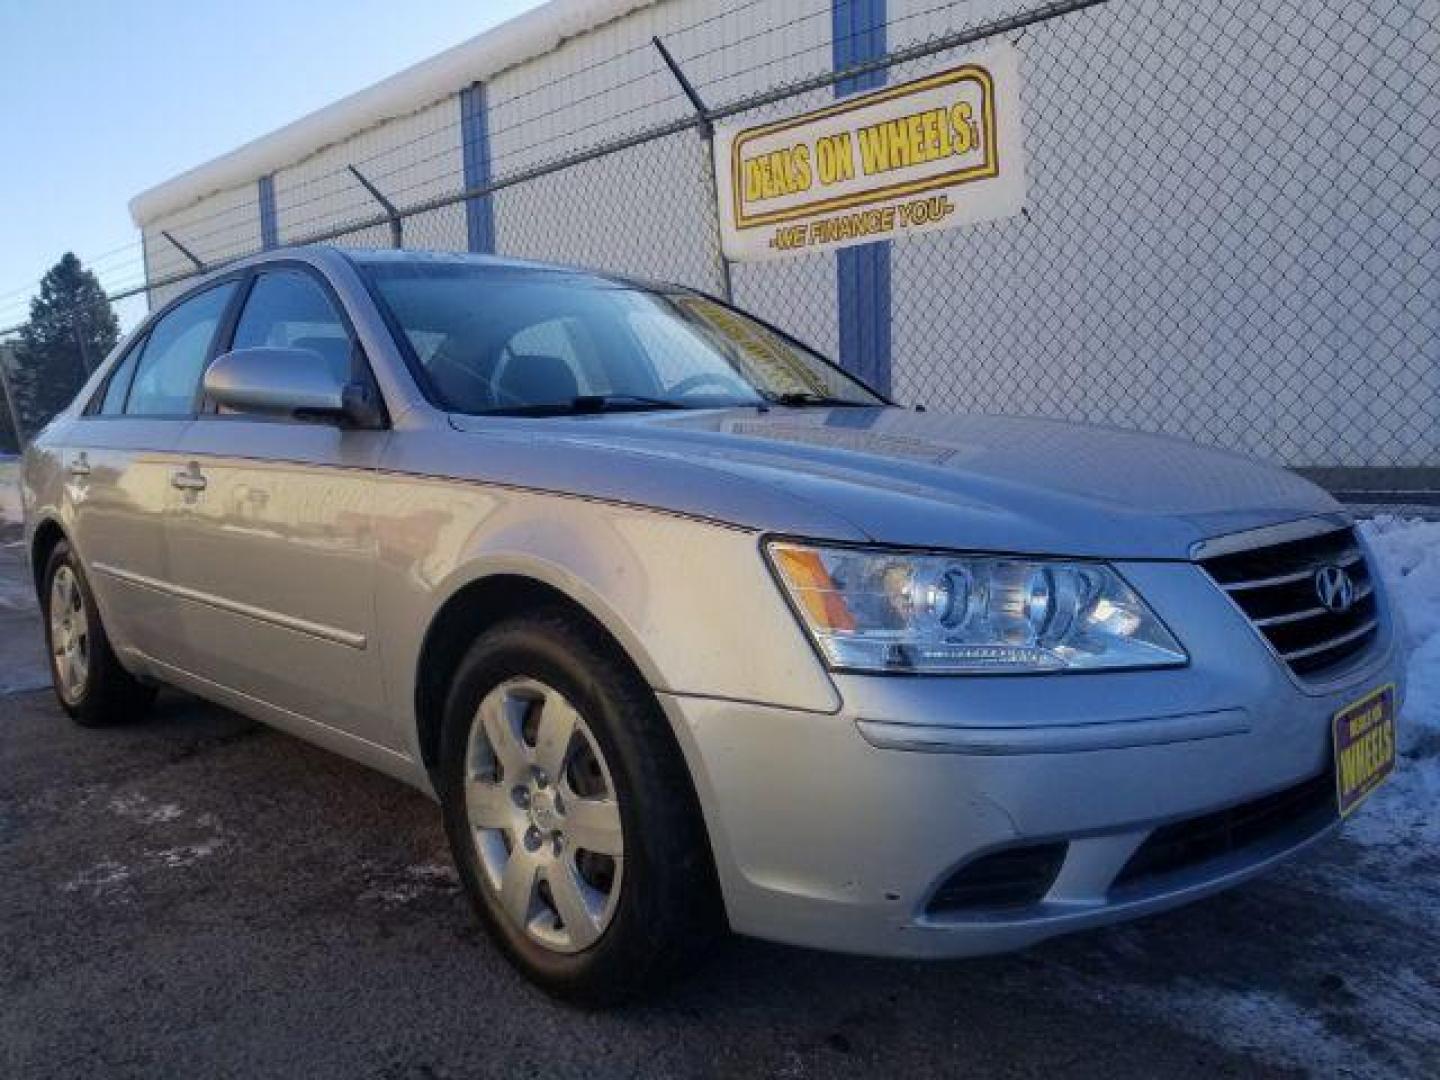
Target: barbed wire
{"x":220,"y":223}
{"x":351,"y":218}
{"x":200,"y":232}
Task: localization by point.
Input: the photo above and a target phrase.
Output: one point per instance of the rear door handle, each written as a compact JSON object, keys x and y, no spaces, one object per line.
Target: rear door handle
{"x":189,"y":480}
{"x":81,"y":465}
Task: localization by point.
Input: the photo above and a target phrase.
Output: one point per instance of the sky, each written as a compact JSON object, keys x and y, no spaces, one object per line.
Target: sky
{"x":101,"y":99}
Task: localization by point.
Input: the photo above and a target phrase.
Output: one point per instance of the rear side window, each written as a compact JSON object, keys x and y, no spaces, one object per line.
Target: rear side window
{"x":167,"y":374}
{"x":110,"y":399}
{"x":290,"y":309}
{"x":119,"y":385}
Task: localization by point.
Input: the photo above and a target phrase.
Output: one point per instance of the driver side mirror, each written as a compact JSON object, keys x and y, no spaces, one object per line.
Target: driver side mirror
{"x":290,"y":382}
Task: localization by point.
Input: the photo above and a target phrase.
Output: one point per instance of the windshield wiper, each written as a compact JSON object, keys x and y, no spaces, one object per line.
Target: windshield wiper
{"x":804,"y":399}
{"x":594,"y":403}
{"x":586,"y":403}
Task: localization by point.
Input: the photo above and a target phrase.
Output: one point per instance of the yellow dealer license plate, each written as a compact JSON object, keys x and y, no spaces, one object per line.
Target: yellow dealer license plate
{"x":1364,"y":746}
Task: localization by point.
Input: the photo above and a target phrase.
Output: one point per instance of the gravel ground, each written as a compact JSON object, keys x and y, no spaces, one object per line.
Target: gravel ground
{"x":196,"y":895}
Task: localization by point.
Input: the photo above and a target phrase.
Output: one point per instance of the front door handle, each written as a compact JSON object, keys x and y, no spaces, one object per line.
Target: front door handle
{"x":80,"y":466}
{"x":190,"y":479}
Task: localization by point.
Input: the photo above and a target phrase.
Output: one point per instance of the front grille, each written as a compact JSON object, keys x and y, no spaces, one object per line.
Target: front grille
{"x":1275,"y":587}
{"x":1300,"y":811}
{"x":1002,"y":880}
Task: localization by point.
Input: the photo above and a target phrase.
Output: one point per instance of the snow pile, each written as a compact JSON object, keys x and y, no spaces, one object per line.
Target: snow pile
{"x":9,"y":491}
{"x":1406,"y":811}
{"x":395,"y":889}
{"x":1262,"y":1023}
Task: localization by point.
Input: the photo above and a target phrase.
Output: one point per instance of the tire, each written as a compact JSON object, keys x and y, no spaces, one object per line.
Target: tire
{"x":88,"y":680}
{"x":657,"y":909}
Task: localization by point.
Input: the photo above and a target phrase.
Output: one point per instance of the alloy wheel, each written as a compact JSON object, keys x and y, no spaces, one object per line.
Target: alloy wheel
{"x":543,"y":815}
{"x":69,"y":634}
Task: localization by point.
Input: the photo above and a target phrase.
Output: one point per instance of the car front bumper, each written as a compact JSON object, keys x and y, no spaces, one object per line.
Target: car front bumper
{"x":835,"y":830}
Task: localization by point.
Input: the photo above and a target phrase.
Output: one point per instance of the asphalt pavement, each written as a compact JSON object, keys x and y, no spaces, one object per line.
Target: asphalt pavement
{"x":195,"y":895}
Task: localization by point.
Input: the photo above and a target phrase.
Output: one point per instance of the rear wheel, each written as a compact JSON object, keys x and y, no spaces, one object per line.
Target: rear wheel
{"x":570,"y":813}
{"x":88,"y":679}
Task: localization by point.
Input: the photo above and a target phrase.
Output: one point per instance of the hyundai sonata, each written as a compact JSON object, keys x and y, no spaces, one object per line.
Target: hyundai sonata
{"x":685,"y":628}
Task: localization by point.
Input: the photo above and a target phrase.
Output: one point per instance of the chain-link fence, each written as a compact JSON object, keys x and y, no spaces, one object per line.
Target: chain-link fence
{"x":1231,"y":230}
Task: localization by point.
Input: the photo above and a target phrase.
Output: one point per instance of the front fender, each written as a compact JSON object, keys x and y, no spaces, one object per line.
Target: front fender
{"x":690,"y":601}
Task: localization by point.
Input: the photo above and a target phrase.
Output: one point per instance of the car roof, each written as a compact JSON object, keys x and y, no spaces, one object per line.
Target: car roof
{"x":328,"y":259}
{"x":323,"y":256}
{"x":407,"y":257}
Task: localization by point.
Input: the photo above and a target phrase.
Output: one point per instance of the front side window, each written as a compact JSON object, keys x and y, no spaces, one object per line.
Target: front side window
{"x":289,"y":309}
{"x":514,"y":340}
{"x":167,"y":374}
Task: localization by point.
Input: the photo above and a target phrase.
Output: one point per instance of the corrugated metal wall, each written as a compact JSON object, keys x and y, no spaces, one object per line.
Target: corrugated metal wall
{"x":410,"y":159}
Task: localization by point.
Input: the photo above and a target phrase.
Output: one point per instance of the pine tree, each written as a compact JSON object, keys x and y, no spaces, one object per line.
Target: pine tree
{"x":71,"y":329}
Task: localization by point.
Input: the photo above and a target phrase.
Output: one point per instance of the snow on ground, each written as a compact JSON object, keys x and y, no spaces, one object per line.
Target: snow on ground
{"x":9,"y":491}
{"x":1406,"y":811}
{"x":393,"y":888}
{"x":1261,"y":1023}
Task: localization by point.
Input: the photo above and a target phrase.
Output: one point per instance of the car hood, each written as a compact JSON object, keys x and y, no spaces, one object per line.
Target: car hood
{"x":893,"y":476}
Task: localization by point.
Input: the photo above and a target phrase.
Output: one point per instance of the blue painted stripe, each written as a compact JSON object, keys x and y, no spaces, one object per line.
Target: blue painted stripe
{"x":863,"y":276}
{"x":857,"y":34}
{"x":269,"y":226}
{"x":475,"y":148}
{"x":862,"y":273}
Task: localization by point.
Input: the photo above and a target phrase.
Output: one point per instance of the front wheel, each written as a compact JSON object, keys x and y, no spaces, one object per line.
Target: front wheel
{"x":570,"y":813}
{"x":89,"y":681}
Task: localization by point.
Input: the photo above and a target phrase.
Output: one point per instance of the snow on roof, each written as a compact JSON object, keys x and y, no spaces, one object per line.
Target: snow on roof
{"x":525,"y":37}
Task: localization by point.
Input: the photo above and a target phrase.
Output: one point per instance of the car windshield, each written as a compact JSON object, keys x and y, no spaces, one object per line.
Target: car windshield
{"x":533,"y":341}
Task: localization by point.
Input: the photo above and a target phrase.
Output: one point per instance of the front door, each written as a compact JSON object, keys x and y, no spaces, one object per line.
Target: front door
{"x":271,"y":540}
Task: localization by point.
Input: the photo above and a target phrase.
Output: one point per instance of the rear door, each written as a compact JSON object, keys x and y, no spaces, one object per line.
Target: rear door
{"x":272,"y":543}
{"x":121,"y":465}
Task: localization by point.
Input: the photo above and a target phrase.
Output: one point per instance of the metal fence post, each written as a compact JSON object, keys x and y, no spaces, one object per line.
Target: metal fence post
{"x":195,"y":259}
{"x":706,"y":128}
{"x":8,"y":391}
{"x":397,"y":223}
{"x":77,"y":329}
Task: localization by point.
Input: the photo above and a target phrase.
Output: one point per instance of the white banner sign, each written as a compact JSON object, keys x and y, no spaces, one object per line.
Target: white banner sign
{"x":933,"y":153}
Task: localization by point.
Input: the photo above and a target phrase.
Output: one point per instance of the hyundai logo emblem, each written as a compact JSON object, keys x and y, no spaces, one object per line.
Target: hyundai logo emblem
{"x":1334,"y":588}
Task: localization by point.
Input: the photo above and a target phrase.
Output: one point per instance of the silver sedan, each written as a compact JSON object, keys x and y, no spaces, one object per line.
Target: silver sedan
{"x":686,"y":629}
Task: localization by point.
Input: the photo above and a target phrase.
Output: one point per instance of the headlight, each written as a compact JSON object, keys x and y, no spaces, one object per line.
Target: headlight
{"x":935,"y":614}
